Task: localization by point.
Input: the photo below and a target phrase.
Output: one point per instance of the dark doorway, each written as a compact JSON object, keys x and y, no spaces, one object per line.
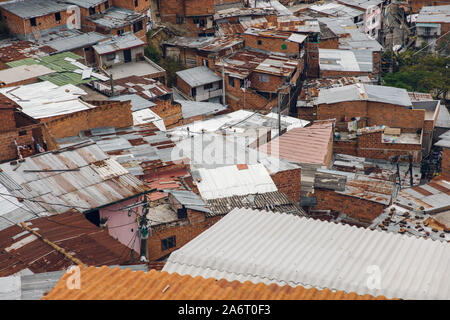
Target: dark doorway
{"x":93,"y":217}
{"x":127,"y":55}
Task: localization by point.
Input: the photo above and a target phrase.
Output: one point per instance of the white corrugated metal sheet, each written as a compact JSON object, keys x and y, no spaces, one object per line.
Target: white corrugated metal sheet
{"x":45,"y":99}
{"x":230,"y":181}
{"x":284,"y":249}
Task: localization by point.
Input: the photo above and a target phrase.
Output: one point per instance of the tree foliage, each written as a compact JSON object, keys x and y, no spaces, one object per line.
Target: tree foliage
{"x":171,"y":66}
{"x":421,"y":72}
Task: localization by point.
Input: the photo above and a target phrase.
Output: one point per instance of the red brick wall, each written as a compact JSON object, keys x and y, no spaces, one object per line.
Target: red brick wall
{"x":7,"y":119}
{"x":445,"y":165}
{"x":312,"y":53}
{"x":195,"y":225}
{"x":183,"y":86}
{"x":170,"y":112}
{"x":274,"y":83}
{"x":370,"y":145}
{"x":330,"y":43}
{"x":20,"y":26}
{"x":107,"y":114}
{"x":199,"y":7}
{"x":288,"y":182}
{"x":359,"y":209}
{"x":235,"y":97}
{"x":142,"y":5}
{"x":271,"y":44}
{"x":416,"y":5}
{"x":409,"y":120}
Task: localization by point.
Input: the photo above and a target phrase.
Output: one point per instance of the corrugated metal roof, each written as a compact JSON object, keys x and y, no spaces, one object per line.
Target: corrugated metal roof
{"x":433,"y":197}
{"x":75,"y":41}
{"x":22,"y":73}
{"x":85,"y":3}
{"x":114,"y":17}
{"x":289,"y":250}
{"x":137,"y":102}
{"x":195,"y":108}
{"x":302,"y":145}
{"x":346,"y":60}
{"x":45,"y":99}
{"x":118,"y":43}
{"x":198,"y":76}
{"x":270,"y":201}
{"x":140,"y":149}
{"x":233,"y":180}
{"x":434,"y":14}
{"x":190,"y":200}
{"x":85,"y":177}
{"x":156,"y":285}
{"x":365,"y":92}
{"x":70,"y":231}
{"x":34,"y":8}
{"x":337,"y":10}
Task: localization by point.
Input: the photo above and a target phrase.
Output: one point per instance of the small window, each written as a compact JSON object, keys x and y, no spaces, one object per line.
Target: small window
{"x":136,"y":3}
{"x":106,"y":5}
{"x":23,"y":133}
{"x":111,"y":56}
{"x":137,"y":26}
{"x":33,"y":22}
{"x":180,"y":19}
{"x":205,"y":63}
{"x":264,"y":78}
{"x":231,"y":81}
{"x":168,"y":243}
{"x":208,"y":86}
{"x":259,"y":42}
{"x":91,"y":10}
{"x":120,"y":32}
{"x":202,"y":23}
{"x":241,"y":83}
{"x":58,"y":16}
{"x":196,"y":20}
{"x":193,"y":92}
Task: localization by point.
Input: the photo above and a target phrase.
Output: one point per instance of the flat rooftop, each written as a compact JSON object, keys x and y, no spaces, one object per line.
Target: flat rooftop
{"x":139,"y":68}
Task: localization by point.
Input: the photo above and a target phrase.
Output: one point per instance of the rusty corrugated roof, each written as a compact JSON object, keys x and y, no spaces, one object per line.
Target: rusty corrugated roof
{"x":20,"y":249}
{"x":115,"y":284}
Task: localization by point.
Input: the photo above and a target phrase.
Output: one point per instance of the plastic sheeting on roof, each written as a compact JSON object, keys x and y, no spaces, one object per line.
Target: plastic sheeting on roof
{"x":285,"y":249}
{"x":365,"y":92}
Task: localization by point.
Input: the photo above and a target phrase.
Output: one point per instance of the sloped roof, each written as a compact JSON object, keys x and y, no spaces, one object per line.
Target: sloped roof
{"x":198,"y":76}
{"x":28,"y":286}
{"x":34,"y":8}
{"x":285,"y":249}
{"x":233,"y":180}
{"x":81,"y":175}
{"x":302,"y":145}
{"x":71,"y":231}
{"x":365,"y":92}
{"x":156,"y":285}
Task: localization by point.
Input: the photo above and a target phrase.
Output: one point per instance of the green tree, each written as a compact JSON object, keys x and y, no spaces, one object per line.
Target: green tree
{"x":422,"y":72}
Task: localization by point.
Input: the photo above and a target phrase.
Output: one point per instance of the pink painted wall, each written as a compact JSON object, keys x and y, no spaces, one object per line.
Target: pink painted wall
{"x":127,"y":225}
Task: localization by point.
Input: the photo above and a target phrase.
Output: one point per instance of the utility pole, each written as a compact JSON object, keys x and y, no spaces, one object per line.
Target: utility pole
{"x":279,"y":114}
{"x":111,"y":81}
{"x":143,"y":230}
{"x":223,"y":82}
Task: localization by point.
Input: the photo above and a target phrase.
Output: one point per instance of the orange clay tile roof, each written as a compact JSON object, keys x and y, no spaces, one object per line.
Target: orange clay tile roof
{"x":115,"y":284}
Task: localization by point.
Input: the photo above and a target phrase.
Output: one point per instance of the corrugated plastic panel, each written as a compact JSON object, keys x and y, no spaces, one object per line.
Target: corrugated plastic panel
{"x":156,"y":285}
{"x":230,"y":180}
{"x":285,"y":249}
